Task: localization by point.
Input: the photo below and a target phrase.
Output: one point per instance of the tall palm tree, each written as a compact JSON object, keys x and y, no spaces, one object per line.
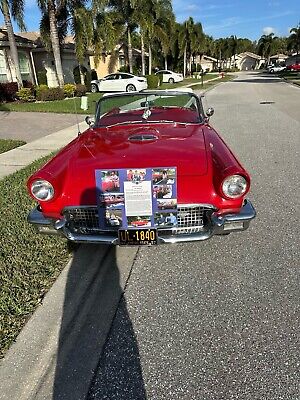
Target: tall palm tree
{"x":197,"y":43}
{"x":51,"y":10}
{"x":267,"y":45}
{"x":14,"y":9}
{"x":233,"y":45}
{"x":185,"y":34}
{"x":125,"y":8}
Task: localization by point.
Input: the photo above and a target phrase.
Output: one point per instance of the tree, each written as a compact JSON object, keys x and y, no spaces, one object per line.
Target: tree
{"x":50,"y":11}
{"x":14,"y":8}
{"x":267,"y":45}
{"x":293,"y":43}
{"x":184,"y":40}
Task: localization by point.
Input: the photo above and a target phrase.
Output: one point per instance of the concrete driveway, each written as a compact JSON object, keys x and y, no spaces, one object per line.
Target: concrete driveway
{"x":29,"y":126}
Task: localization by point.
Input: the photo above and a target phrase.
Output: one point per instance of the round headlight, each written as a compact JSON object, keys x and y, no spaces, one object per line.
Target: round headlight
{"x":234,"y":186}
{"x":42,"y":190}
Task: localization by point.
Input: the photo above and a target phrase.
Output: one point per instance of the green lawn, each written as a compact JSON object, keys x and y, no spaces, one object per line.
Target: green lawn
{"x":209,"y":85}
{"x":71,"y":106}
{"x":67,"y":106}
{"x":29,"y":263}
{"x":7,"y":144}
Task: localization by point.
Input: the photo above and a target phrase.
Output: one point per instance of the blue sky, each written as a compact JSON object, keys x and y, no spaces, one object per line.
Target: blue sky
{"x":221,"y":18}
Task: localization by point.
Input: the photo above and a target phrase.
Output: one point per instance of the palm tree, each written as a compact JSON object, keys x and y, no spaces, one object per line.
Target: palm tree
{"x":294,"y":40}
{"x":233,"y":45}
{"x":185,"y":34}
{"x":50,"y":11}
{"x":267,"y":45}
{"x":197,"y":43}
{"x":126,"y":12}
{"x":14,"y":8}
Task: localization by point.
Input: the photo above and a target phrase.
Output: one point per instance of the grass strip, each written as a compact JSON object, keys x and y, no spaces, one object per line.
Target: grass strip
{"x":209,"y":85}
{"x":9,"y":144}
{"x":187,"y":81}
{"x":29,"y":263}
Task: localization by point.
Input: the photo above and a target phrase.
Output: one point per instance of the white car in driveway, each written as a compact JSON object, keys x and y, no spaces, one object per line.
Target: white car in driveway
{"x":277,"y":68}
{"x":119,"y":82}
{"x":169,"y":76}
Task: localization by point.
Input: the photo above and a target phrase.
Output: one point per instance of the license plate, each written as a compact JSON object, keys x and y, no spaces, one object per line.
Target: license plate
{"x":137,"y":237}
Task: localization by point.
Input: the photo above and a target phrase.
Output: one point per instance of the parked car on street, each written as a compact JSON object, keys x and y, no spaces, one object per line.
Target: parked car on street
{"x":293,"y":67}
{"x":119,"y":82}
{"x":169,"y":76}
{"x":277,"y":68}
{"x":192,"y":186}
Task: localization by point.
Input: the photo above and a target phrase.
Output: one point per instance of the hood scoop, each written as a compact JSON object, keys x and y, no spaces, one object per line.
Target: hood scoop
{"x":143,"y":137}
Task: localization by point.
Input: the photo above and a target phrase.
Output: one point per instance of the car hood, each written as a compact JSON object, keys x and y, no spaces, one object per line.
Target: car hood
{"x":128,"y":146}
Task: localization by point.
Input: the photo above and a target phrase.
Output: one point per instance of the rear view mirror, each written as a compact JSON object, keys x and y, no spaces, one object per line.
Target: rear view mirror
{"x":209,"y":112}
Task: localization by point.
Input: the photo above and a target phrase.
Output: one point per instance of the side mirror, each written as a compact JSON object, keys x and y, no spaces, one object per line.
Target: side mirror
{"x":89,"y":121}
{"x":209,"y":112}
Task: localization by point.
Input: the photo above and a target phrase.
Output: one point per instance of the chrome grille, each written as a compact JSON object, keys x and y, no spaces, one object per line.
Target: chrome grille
{"x":190,"y":219}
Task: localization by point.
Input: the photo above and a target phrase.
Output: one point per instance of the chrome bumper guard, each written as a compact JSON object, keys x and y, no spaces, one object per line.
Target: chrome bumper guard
{"x":219,"y":225}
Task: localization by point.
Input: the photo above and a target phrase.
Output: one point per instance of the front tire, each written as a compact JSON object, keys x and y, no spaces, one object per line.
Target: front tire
{"x":171,"y":80}
{"x":130,"y":88}
{"x":94,"y":88}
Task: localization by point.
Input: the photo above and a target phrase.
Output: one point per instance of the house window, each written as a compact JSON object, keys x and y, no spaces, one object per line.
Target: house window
{"x":24,"y":66}
{"x":3,"y":68}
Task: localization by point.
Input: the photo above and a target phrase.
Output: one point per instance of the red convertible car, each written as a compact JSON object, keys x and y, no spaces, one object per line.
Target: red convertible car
{"x":149,"y":131}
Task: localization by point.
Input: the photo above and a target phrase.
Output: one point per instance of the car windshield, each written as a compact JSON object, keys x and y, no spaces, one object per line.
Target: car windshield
{"x":160,"y":106}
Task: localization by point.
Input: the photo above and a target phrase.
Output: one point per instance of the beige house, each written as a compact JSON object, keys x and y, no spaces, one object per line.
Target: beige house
{"x":112,"y":62}
{"x":247,"y":61}
{"x":44,"y":60}
{"x":34,"y":58}
{"x":206,"y":62}
{"x":25,"y":51}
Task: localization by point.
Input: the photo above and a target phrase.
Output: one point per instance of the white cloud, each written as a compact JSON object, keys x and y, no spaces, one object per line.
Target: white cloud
{"x":268,"y":30}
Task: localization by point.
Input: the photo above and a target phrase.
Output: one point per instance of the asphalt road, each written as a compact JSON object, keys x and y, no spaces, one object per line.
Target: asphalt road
{"x":220,"y":319}
{"x":29,"y":126}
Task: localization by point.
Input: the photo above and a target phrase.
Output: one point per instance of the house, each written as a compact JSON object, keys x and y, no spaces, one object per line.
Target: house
{"x":35,"y":59}
{"x":25,"y":49}
{"x":44,"y":60}
{"x":208,"y":63}
{"x":278,"y":59}
{"x":113,"y":61}
{"x":247,"y":61}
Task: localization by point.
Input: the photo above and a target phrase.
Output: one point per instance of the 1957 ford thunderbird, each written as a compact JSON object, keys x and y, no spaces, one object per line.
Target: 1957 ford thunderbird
{"x":152,"y":157}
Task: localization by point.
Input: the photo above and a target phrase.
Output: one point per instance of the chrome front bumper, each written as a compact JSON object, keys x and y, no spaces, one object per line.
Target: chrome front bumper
{"x":220,"y":225}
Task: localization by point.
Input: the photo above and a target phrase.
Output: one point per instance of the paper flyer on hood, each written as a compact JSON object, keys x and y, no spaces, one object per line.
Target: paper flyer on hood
{"x":137,"y":198}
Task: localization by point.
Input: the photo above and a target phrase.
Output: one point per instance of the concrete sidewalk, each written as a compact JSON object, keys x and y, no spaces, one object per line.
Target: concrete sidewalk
{"x":18,"y":158}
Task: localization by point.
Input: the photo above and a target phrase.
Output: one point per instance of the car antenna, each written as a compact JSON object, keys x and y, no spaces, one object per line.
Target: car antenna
{"x":78,"y":128}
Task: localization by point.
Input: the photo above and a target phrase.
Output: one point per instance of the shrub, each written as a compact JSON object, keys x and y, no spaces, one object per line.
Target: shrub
{"x":25,"y":94}
{"x":28,"y":84}
{"x":51,"y":94}
{"x":38,"y":91}
{"x":69,"y":89}
{"x":8,"y":91}
{"x":42,"y":77}
{"x":124,"y":68}
{"x":80,"y":90}
{"x":94,"y":75}
{"x":153,"y":81}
